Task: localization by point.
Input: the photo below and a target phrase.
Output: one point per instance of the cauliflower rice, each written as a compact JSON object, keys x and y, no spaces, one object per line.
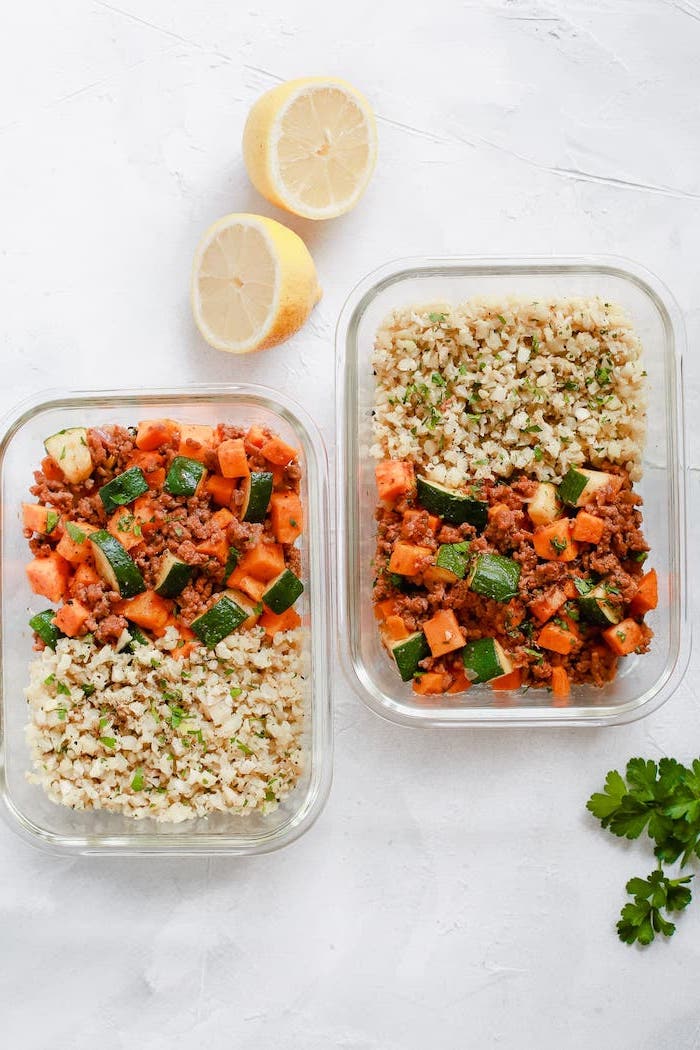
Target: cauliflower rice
{"x":490,"y":387}
{"x":148,"y":735}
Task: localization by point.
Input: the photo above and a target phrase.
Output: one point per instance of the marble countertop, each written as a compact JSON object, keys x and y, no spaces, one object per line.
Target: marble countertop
{"x":454,"y":892}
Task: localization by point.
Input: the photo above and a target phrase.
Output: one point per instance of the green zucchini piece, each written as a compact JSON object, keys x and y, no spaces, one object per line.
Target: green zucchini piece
{"x":115,"y":564}
{"x":234,"y":556}
{"x":597,"y":607}
{"x":453,"y":507}
{"x":408,"y":653}
{"x":453,"y":558}
{"x":219,"y":621}
{"x":184,"y":477}
{"x":42,"y":624}
{"x":252,"y":609}
{"x":257,"y":490}
{"x":69,"y":448}
{"x":173,"y":577}
{"x":495,"y":576}
{"x":579,"y":486}
{"x":123,"y":489}
{"x":137,"y":636}
{"x":544,"y":507}
{"x":282,"y":592}
{"x":485,"y":659}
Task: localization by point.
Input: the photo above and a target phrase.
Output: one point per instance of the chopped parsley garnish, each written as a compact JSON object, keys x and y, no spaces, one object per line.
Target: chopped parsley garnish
{"x":51,"y":521}
{"x":50,"y":680}
{"x":532,"y":429}
{"x":558,"y":544}
{"x":242,"y":747}
{"x":535,"y":343}
{"x":571,"y":384}
{"x":235,"y":692}
{"x":270,"y":796}
{"x":501,"y":318}
{"x":108,"y":741}
{"x":602,"y":375}
{"x":138,"y":782}
{"x":88,"y":688}
{"x":538,"y":453}
{"x":437,"y":318}
{"x":437,"y":380}
{"x":462,"y":370}
{"x":641,"y":556}
{"x":103,"y":721}
{"x":76,"y":534}
{"x":177,"y":715}
{"x":61,"y":712}
{"x":535,"y":653}
{"x":62,"y":688}
{"x":434,"y":418}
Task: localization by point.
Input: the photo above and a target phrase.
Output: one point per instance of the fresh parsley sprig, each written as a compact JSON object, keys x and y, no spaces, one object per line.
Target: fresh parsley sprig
{"x":662,"y":799}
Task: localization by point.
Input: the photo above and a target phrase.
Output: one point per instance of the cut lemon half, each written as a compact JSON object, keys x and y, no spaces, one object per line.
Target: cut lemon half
{"x":310,"y":146}
{"x":253,"y":283}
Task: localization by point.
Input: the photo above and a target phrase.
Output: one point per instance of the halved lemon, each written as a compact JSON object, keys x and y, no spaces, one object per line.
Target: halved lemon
{"x":310,"y":146}
{"x":253,"y":283}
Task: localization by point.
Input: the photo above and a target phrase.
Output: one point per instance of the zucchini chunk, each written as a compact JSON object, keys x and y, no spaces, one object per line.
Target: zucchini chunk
{"x":579,"y":486}
{"x":257,"y":492}
{"x":281,"y":593}
{"x":408,"y":653}
{"x":248,"y":606}
{"x":173,"y":577}
{"x":597,"y":607}
{"x":185,"y":476}
{"x":544,"y":507}
{"x":115,"y":565}
{"x":69,"y":448}
{"x":234,"y":556}
{"x":137,"y":637}
{"x":495,"y":576}
{"x":485,"y":659}
{"x":123,"y":489}
{"x":220,"y":620}
{"x":43,"y":625}
{"x":453,"y":559}
{"x":453,"y":507}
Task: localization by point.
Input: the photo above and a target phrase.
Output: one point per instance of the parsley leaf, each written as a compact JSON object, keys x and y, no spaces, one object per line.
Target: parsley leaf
{"x":138,"y":782}
{"x":51,"y":521}
{"x":643,"y":919}
{"x":437,"y":318}
{"x":62,"y":688}
{"x":76,"y":534}
{"x":108,"y":741}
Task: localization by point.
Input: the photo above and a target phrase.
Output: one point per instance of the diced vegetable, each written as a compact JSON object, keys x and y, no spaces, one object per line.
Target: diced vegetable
{"x":624,"y":637}
{"x":40,"y":519}
{"x":148,"y":610}
{"x":185,"y":476}
{"x":153,"y":434}
{"x":560,"y":636}
{"x":453,"y":558}
{"x":408,"y":559}
{"x":151,"y":463}
{"x":587,"y":527}
{"x":51,"y":469}
{"x":195,"y":440}
{"x":215,"y":547}
{"x":265,"y":561}
{"x":126,"y":527}
{"x":286,"y":516}
{"x":70,"y":450}
{"x":429,"y":684}
{"x":412,"y":514}
{"x":253,"y":609}
{"x":485,"y":659}
{"x":647,"y":596}
{"x":283,"y":591}
{"x":385,"y":609}
{"x":173,"y":577}
{"x":561,"y":684}
{"x":48,"y":575}
{"x":147,"y":514}
{"x":495,"y":576}
{"x":123,"y":489}
{"x":220,"y":620}
{"x":554,"y":542}
{"x":231,"y":561}
{"x":547,"y":606}
{"x":443,"y":633}
{"x":233,"y":459}
{"x":579,"y":485}
{"x":73,"y":545}
{"x":544,"y":507}
{"x":43,"y":625}
{"x":137,"y":636}
{"x":408,"y":652}
{"x":453,"y":507}
{"x":273,"y":624}
{"x":257,"y":491}
{"x":512,"y":680}
{"x":277,"y":451}
{"x":242,"y":581}
{"x":395,"y":628}
{"x":71,"y":618}
{"x":220,"y":489}
{"x":460,"y":682}
{"x":84,"y":576}
{"x":115,"y":565}
{"x":601,"y":605}
{"x":394,"y":479}
{"x":255,"y":438}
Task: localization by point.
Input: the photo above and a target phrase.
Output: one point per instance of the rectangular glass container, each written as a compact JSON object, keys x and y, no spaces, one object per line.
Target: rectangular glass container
{"x":643,"y":682}
{"x":25,"y":805}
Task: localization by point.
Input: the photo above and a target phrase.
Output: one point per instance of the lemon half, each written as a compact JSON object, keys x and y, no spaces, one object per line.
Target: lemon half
{"x":253,"y":283}
{"x":310,"y":146}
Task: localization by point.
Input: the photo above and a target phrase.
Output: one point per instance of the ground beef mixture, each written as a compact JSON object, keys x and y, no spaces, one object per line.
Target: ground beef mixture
{"x":178,"y":524}
{"x":617,"y":558}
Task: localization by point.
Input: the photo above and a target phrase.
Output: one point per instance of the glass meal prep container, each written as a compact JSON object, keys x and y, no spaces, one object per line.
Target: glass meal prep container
{"x":643,"y":682}
{"x":25,"y":805}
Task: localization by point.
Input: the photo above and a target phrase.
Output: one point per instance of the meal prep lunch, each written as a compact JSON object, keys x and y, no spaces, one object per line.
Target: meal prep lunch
{"x":169,"y":676}
{"x":510,"y":550}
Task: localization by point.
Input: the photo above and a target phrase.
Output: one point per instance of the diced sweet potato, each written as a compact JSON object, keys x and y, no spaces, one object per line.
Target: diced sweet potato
{"x":148,"y":610}
{"x":50,"y":469}
{"x":264,"y":562}
{"x":76,"y":551}
{"x":85,"y":576}
{"x":273,"y":623}
{"x":443,"y":633}
{"x":647,"y":595}
{"x":49,"y":576}
{"x":34,"y":517}
{"x":242,"y":581}
{"x":512,"y":680}
{"x":411,"y":515}
{"x":395,"y":478}
{"x":255,"y":438}
{"x":623,"y":638}
{"x":561,"y":684}
{"x":145,"y":510}
{"x":278,"y":452}
{"x":408,"y":559}
{"x":195,"y":441}
{"x":152,"y":465}
{"x":560,"y":638}
{"x":384,"y":609}
{"x":233,"y":459}
{"x":544,"y":608}
{"x":126,"y":527}
{"x":554,"y":542}
{"x":460,"y":682}
{"x":71,"y":618}
{"x":220,"y":489}
{"x":395,"y":628}
{"x":215,"y":547}
{"x":587,"y":528}
{"x":430,"y":683}
{"x":155,"y":433}
{"x":286,"y":516}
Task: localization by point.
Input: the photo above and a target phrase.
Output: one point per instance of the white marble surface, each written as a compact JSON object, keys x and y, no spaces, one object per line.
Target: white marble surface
{"x":454,"y":892}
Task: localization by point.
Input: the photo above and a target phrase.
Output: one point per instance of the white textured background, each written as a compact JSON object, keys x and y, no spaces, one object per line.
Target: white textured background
{"x":454,"y":893}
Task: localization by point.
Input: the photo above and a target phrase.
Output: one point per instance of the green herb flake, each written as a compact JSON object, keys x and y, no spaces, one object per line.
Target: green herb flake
{"x":235,"y":692}
{"x":462,"y":369}
{"x":88,"y":688}
{"x":138,"y":782}
{"x":535,"y":343}
{"x":62,"y":688}
{"x":108,"y":741}
{"x":50,"y":680}
{"x":641,"y":556}
{"x":532,"y":429}
{"x":437,"y":380}
{"x":76,"y":534}
{"x":242,"y":747}
{"x":538,"y":453}
{"x":51,"y":521}
{"x":435,"y":318}
{"x":61,"y":712}
{"x":501,"y":318}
